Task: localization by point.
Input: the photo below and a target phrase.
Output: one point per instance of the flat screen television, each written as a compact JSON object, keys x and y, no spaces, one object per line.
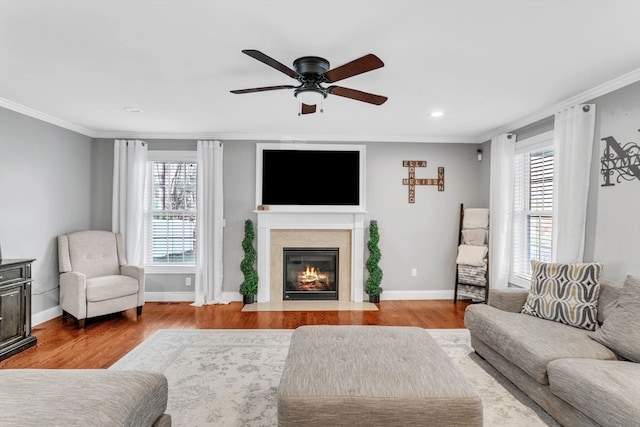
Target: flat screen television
{"x":311,"y":176}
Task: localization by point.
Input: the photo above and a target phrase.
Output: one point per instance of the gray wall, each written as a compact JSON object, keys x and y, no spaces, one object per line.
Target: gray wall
{"x":421,"y":235}
{"x":45,"y":182}
{"x":613,"y":223}
{"x":54,"y":181}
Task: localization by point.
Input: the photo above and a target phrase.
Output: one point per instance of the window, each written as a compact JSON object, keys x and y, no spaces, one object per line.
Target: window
{"x":533,"y":206}
{"x":170,"y":217}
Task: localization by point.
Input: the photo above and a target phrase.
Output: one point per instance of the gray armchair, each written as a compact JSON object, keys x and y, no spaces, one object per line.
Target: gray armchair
{"x":94,"y":276}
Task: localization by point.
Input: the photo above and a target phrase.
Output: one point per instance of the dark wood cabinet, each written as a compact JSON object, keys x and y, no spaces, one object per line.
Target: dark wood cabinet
{"x":15,"y":306}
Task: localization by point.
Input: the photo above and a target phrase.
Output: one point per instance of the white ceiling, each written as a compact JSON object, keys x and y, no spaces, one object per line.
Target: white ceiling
{"x":487,"y":65}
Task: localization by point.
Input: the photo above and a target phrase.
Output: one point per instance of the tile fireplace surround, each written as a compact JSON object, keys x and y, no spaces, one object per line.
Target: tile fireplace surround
{"x":343,"y":230}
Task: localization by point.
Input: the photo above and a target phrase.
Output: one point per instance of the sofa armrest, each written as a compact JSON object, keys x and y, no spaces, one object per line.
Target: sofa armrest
{"x":138,"y":274}
{"x":509,"y":299}
{"x":73,"y":294}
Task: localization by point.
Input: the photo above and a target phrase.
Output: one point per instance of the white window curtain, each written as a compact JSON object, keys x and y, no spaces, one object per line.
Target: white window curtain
{"x":573,"y":144}
{"x":209,"y":232}
{"x":129,"y":164}
{"x":501,"y":178}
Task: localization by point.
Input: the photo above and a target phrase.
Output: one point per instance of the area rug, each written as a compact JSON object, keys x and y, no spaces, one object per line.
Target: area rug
{"x":230,"y":377}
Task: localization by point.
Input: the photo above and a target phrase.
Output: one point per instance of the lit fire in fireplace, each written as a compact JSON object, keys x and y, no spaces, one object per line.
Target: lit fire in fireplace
{"x":312,"y":279}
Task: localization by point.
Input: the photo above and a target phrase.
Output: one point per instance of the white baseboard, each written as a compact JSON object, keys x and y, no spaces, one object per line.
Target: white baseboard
{"x":414,"y":295}
{"x":185,"y":296}
{"x":232,"y":296}
{"x":46,"y":315}
{"x":169,"y":296}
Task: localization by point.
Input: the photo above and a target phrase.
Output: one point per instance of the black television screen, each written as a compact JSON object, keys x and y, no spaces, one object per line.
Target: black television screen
{"x":310,"y":177}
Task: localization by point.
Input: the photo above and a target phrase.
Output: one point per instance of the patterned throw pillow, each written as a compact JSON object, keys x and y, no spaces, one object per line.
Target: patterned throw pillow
{"x":565,"y":293}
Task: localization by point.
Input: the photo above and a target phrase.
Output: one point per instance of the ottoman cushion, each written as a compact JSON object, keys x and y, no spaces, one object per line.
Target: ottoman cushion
{"x":372,"y":375}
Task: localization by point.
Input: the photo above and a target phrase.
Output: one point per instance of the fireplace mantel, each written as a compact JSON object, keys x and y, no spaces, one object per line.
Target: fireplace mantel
{"x":276,"y":220}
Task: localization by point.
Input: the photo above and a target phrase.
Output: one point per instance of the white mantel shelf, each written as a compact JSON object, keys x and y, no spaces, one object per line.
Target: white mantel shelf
{"x":310,"y":220}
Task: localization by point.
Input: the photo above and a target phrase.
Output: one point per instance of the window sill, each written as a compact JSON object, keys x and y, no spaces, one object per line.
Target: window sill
{"x":169,"y":269}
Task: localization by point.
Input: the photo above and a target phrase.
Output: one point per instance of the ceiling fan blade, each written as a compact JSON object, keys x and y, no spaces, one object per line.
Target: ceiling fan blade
{"x":358,"y":66}
{"x":357,"y":95}
{"x":308,"y":109}
{"x":262,"y":89}
{"x":271,"y":62}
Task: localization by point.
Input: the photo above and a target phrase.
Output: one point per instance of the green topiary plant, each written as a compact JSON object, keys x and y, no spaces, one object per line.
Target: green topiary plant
{"x":250,"y":285}
{"x":375,"y":273}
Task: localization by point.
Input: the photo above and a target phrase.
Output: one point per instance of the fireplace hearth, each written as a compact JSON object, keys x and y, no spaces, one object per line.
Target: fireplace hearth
{"x":310,"y":273}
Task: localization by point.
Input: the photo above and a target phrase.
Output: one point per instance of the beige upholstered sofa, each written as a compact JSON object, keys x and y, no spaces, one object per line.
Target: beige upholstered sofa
{"x":94,"y":276}
{"x":575,"y":378}
{"x":83,"y":397}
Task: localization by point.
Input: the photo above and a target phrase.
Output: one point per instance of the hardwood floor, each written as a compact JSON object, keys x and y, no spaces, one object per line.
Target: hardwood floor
{"x":105,"y":340}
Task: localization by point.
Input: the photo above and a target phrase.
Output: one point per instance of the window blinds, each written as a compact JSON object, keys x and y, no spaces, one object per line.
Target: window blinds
{"x":533,"y":210}
{"x":170,"y":230}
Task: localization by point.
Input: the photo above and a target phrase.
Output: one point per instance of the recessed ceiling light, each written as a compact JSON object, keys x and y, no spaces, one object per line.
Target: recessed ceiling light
{"x":437,"y":114}
{"x":132,"y":109}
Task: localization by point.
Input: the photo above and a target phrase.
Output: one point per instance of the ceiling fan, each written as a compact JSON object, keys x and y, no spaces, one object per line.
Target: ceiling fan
{"x":312,"y":72}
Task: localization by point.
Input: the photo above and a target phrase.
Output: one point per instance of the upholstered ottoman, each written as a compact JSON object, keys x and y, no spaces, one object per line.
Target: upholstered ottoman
{"x":82,"y":397}
{"x":374,"y":376}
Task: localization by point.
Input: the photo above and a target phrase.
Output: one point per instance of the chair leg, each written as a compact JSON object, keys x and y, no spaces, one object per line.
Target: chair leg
{"x":81,"y":323}
{"x":139,"y":310}
{"x":64,"y":316}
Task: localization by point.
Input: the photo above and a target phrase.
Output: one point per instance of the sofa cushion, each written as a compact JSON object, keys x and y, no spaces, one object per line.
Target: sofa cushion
{"x":608,"y":298}
{"x":565,"y":293}
{"x":606,"y":391}
{"x":530,"y":342}
{"x":110,"y":287}
{"x":620,"y":330}
{"x":81,"y":397}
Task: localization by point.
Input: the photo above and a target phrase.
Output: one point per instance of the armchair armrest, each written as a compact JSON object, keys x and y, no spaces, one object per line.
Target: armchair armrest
{"x":73,"y":293}
{"x":138,"y":274}
{"x":509,"y":299}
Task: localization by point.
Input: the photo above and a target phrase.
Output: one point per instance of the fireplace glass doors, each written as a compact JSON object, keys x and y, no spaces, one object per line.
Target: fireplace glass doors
{"x":310,"y":273}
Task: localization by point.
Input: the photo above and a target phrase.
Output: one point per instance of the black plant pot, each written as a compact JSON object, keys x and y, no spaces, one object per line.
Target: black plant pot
{"x":374,"y":298}
{"x":248,"y":299}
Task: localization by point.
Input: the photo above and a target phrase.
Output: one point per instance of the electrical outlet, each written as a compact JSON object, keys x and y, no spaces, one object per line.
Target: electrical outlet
{"x":187,"y":281}
{"x":414,"y":272}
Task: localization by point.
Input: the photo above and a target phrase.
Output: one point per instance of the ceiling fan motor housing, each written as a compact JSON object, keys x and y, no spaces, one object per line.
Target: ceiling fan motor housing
{"x":311,"y":65}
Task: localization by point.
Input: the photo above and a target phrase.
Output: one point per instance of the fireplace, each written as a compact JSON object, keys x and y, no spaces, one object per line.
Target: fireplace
{"x":279,"y":230}
{"x":310,"y":273}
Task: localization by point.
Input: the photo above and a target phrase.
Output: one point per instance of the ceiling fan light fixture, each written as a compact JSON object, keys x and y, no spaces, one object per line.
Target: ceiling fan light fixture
{"x":310,"y":96}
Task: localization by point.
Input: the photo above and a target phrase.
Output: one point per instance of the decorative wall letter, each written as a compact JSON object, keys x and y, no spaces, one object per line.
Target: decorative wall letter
{"x":621,"y":160}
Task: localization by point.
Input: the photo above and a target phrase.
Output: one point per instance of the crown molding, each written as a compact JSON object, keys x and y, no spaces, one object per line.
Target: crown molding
{"x":288,"y":138}
{"x":603,"y":89}
{"x":19,"y":108}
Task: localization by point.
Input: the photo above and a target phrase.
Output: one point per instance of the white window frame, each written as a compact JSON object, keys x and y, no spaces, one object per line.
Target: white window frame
{"x":538,"y":142}
{"x":165,"y":156}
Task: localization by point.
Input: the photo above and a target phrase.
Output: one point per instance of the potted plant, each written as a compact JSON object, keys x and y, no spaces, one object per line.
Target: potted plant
{"x":375,"y":273}
{"x":249,"y":287}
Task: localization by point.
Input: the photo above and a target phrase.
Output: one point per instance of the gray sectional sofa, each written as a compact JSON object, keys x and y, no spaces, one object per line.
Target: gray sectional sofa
{"x":577,"y":380}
